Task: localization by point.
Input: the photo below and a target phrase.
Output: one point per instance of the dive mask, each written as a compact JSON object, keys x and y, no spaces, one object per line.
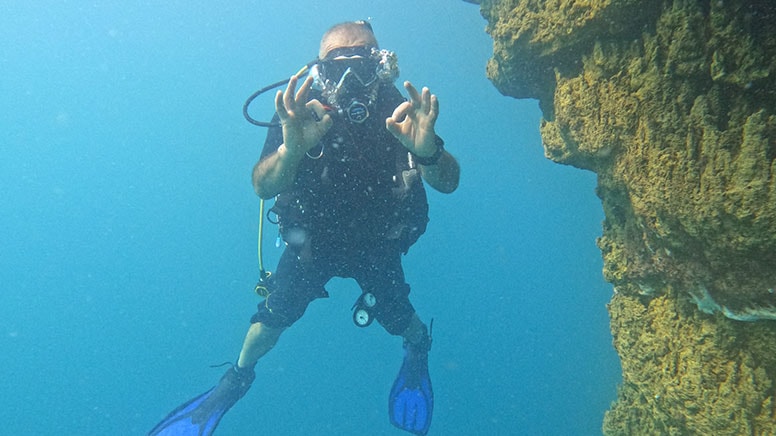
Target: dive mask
{"x":348,"y":77}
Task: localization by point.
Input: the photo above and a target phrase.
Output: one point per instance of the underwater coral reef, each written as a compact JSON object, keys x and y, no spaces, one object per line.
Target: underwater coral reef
{"x":672,"y":103}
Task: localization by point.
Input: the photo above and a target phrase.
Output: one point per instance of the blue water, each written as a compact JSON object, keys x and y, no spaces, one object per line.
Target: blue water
{"x":128,"y":231}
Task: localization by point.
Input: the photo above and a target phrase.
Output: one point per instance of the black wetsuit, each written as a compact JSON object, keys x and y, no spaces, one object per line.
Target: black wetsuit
{"x":354,"y":208}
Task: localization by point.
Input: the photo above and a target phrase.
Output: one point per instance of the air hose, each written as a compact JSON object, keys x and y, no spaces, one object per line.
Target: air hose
{"x":302,"y":71}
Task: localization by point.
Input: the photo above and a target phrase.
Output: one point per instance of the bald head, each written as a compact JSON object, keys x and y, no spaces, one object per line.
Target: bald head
{"x":349,"y":34}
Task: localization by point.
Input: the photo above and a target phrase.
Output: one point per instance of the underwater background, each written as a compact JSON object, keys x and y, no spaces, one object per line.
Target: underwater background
{"x":128,"y":231}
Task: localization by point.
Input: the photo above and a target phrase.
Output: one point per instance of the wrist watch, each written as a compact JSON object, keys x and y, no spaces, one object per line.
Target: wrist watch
{"x":434,"y":158}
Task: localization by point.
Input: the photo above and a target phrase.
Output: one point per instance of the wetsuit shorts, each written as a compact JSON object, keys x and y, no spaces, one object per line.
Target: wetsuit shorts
{"x":299,"y":280}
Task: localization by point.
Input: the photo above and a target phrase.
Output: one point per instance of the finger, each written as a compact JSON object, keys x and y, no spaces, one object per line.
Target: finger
{"x":288,"y":95}
{"x":413,"y":93}
{"x":326,"y":122}
{"x":301,"y":95}
{"x":279,"y":106}
{"x":322,"y":118}
{"x":316,"y":108}
{"x":434,"y":112}
{"x":391,"y":126}
{"x":401,"y":111}
{"x":425,"y":100}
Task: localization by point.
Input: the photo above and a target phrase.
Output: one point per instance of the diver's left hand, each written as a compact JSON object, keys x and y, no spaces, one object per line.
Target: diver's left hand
{"x":413,"y":121}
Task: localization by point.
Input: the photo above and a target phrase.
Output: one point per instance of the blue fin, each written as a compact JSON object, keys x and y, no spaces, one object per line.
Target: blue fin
{"x":201,"y":415}
{"x":181,"y":421}
{"x":411,"y":402}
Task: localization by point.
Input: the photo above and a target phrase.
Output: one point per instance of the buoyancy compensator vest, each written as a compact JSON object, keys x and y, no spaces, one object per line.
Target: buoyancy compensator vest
{"x":358,"y":186}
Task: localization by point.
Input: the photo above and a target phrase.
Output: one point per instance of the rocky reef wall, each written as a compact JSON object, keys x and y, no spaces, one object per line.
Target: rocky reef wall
{"x":673,"y":104}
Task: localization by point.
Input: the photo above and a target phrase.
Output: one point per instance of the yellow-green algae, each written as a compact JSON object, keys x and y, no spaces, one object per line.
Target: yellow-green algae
{"x":686,"y":373}
{"x":673,"y":104}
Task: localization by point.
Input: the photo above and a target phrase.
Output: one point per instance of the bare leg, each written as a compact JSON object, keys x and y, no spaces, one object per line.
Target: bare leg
{"x":416,"y":331}
{"x":258,"y":341}
{"x":411,"y":401}
{"x":202,"y":414}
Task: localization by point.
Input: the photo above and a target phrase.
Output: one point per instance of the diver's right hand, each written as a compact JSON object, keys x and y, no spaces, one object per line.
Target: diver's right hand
{"x":304,"y":122}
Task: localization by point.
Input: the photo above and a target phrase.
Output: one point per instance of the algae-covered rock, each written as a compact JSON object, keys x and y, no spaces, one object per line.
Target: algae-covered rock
{"x":673,"y":104}
{"x":685,"y":373}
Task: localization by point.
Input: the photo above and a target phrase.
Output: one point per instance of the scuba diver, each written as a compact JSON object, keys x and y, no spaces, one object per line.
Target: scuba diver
{"x":345,"y":159}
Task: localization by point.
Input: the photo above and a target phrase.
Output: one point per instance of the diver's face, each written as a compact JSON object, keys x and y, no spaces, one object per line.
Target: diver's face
{"x":349,"y":72}
{"x":346,"y":39}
